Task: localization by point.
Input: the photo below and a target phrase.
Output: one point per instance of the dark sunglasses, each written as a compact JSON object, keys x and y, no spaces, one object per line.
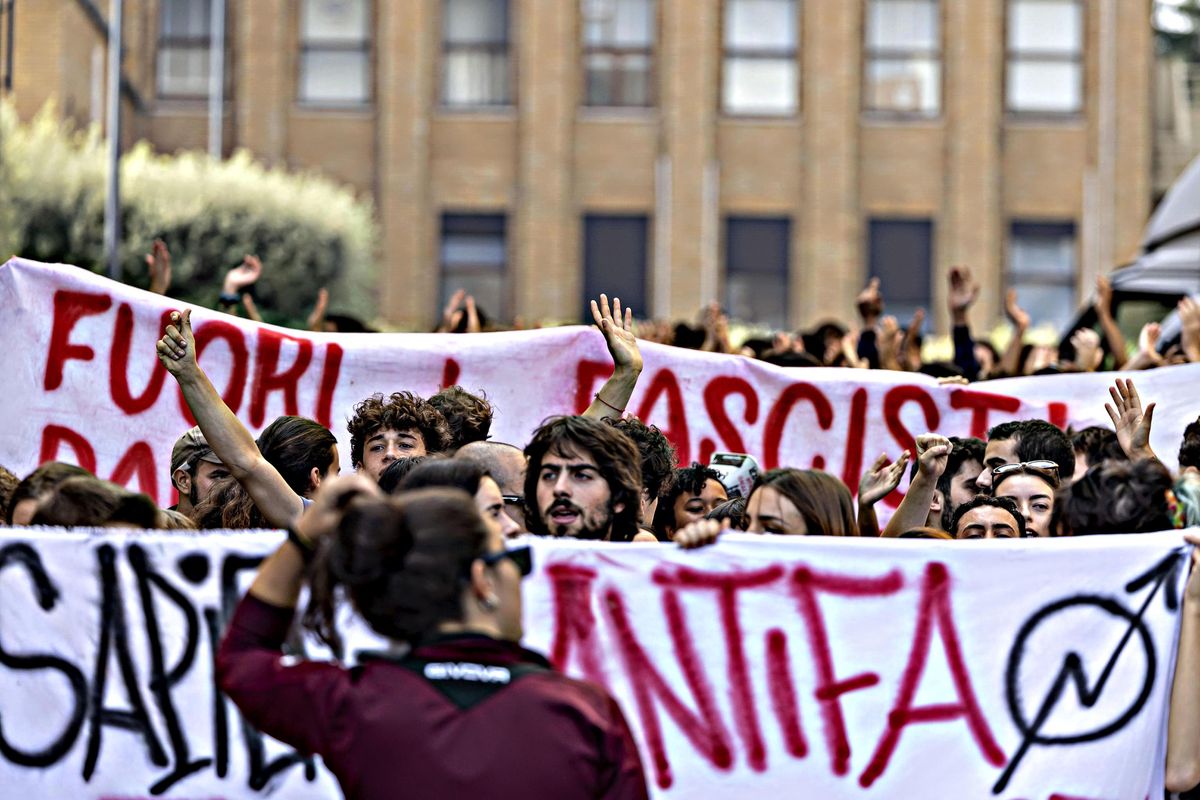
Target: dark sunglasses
{"x":1039,"y":466}
{"x":522,"y":557}
{"x":513,"y":499}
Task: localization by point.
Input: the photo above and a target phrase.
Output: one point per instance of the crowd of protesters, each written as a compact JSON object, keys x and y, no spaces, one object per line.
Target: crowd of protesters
{"x":418,"y":537}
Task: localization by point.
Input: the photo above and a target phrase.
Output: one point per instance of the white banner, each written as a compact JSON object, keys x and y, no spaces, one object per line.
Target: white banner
{"x":759,"y":667}
{"x":82,"y":384}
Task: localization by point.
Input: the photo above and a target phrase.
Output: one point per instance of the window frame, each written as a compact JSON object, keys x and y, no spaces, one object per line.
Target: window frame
{"x":761,"y":54}
{"x":1078,"y":58}
{"x":163,"y":42}
{"x":931,"y":221}
{"x":728,"y":270}
{"x":507,"y":47}
{"x":506,"y":288}
{"x":366,"y":46}
{"x":650,"y":51}
{"x":871,"y":55}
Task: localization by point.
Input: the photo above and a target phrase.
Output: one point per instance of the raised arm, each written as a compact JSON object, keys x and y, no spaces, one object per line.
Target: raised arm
{"x":880,"y":480}
{"x":226,"y":435}
{"x":613,"y":397}
{"x":1183,"y":727}
{"x":1010,"y":362}
{"x":1131,"y":422}
{"x":933,"y":453}
{"x":1112,"y":333}
{"x":962,"y":294}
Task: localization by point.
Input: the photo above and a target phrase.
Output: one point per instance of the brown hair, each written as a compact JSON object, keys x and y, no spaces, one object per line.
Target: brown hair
{"x":822,"y":499}
{"x":616,"y":457}
{"x":402,"y":561}
{"x":401,"y":411}
{"x":87,"y":501}
{"x":40,"y":482}
{"x":468,"y":416}
{"x":8,"y":485}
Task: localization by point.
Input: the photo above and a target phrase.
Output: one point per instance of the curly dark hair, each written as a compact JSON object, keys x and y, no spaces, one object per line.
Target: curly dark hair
{"x":689,"y":480}
{"x":1117,"y":497}
{"x":401,"y":560}
{"x":1098,"y":444}
{"x":395,"y":473}
{"x":987,"y":500}
{"x":8,"y":484}
{"x":657,"y":452}
{"x":468,"y":416}
{"x":401,"y":411}
{"x":616,"y":457}
{"x":733,"y":510}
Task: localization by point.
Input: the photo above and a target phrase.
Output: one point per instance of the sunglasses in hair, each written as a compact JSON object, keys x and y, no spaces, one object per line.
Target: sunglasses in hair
{"x":513,"y":499}
{"x":522,"y":557}
{"x":1038,"y":466}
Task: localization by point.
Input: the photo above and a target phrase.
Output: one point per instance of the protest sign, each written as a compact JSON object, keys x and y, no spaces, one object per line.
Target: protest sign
{"x":761,"y":666}
{"x":83,"y":384}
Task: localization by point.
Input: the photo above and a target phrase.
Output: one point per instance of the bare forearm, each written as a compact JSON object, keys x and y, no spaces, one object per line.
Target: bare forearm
{"x":914,"y":508}
{"x":1010,"y":362}
{"x":615,"y":392}
{"x":1183,"y":729}
{"x":868,"y":522}
{"x":226,"y":435}
{"x":1115,"y":339}
{"x":280,"y":577}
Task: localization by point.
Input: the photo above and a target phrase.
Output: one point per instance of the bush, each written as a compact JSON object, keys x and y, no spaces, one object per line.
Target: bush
{"x":308,"y":231}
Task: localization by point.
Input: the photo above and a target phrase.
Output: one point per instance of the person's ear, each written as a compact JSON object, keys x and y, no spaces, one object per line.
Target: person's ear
{"x":936,"y":504}
{"x":483,"y":585}
{"x":314,"y":479}
{"x":183,"y":481}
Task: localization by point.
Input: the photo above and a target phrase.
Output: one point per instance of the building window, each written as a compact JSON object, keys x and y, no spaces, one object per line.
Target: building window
{"x":904,"y":60}
{"x":756,"y":269}
{"x":184,"y":41}
{"x":614,"y":260}
{"x":335,"y":52}
{"x":1041,"y":267}
{"x":618,"y":52}
{"x":1045,"y":56}
{"x":475,"y":58}
{"x":474,"y":257}
{"x":761,"y":74}
{"x":901,"y":256}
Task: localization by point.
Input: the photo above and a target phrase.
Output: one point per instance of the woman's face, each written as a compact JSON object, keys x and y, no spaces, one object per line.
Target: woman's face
{"x":490,"y":503}
{"x":691,"y":507}
{"x":770,"y":512}
{"x":1034,"y":498}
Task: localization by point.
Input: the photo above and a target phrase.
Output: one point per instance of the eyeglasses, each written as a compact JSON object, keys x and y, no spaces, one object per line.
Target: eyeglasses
{"x":1040,"y":466}
{"x":513,"y":499}
{"x":522,"y":558}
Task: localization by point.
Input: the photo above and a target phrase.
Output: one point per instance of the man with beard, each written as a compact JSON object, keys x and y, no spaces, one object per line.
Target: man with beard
{"x":584,"y":480}
{"x":194,"y":470}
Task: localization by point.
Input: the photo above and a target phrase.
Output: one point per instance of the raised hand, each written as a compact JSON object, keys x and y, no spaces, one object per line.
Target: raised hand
{"x":1189,"y":319}
{"x":158,"y":262}
{"x":1016,"y":315}
{"x":473,"y":325}
{"x":890,"y":339}
{"x":618,"y":333}
{"x":177,"y":347}
{"x":242,"y":276}
{"x":1104,"y":297}
{"x":881,"y":479}
{"x":1130,"y":421}
{"x":452,"y":314}
{"x":316,"y":320}
{"x":1088,"y":354}
{"x":700,"y":533}
{"x":870,"y":302}
{"x":933,"y":453}
{"x":910,"y":355}
{"x":963,"y":293}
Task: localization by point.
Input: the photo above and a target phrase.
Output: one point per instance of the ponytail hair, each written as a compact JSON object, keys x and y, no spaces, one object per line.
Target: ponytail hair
{"x":401,"y":561}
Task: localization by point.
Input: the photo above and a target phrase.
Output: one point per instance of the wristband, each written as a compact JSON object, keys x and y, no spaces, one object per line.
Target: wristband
{"x":306,"y":550}
{"x":610,"y":405}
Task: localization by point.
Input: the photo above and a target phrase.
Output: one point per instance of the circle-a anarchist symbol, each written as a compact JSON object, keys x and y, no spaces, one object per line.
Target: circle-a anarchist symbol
{"x":1090,"y":686}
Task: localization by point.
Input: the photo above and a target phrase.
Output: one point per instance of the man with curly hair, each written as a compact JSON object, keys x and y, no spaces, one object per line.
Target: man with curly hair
{"x":657,"y":456}
{"x":400,"y":425}
{"x":468,"y":416}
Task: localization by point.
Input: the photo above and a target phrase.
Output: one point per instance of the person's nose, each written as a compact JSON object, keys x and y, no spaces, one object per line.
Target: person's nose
{"x":508,"y":526}
{"x":562,"y":486}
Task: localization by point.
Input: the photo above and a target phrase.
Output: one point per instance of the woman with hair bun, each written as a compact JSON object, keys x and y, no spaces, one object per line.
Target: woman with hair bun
{"x":457,"y":708}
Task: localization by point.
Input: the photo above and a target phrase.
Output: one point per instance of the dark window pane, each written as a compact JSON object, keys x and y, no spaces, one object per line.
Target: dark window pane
{"x":614,"y":260}
{"x":474,"y":257}
{"x":756,"y":269}
{"x":901,"y":256}
{"x":1041,"y":267}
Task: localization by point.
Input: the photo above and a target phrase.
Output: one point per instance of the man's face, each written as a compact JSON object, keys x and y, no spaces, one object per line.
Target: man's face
{"x":387,"y":445}
{"x":207,"y":474}
{"x":987,"y":522}
{"x":963,"y":486}
{"x":998,"y":453}
{"x":573,"y":498}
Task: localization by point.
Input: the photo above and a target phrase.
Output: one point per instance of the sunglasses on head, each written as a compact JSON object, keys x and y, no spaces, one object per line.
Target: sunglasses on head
{"x":522,"y":557}
{"x":513,"y":499}
{"x":1039,"y":466}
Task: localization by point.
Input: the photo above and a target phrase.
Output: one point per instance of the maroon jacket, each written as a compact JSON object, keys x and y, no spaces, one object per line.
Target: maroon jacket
{"x":463,"y":716}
